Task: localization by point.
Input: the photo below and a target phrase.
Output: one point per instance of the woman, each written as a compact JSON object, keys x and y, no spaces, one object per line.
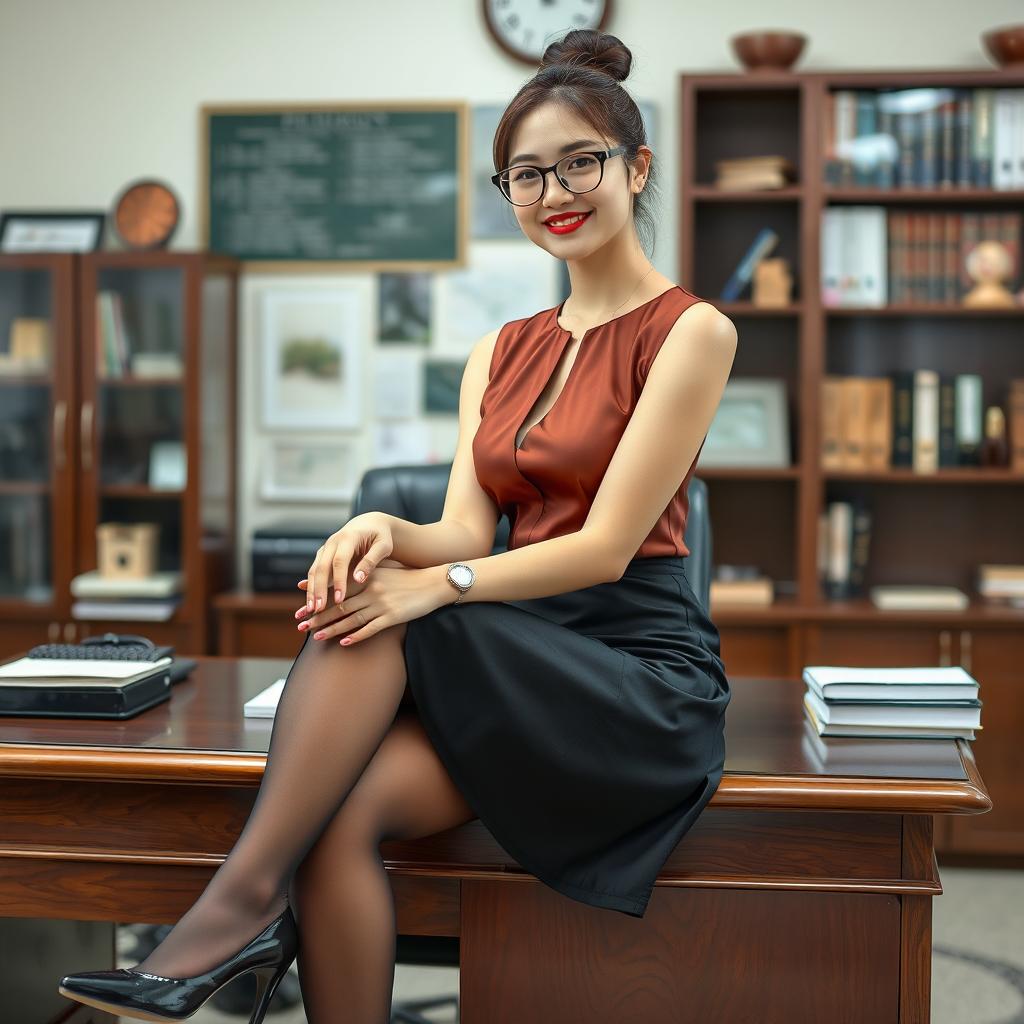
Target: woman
{"x":572,"y":696}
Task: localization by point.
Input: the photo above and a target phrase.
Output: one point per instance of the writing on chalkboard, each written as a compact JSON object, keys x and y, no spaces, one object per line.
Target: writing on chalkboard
{"x":348,"y":184}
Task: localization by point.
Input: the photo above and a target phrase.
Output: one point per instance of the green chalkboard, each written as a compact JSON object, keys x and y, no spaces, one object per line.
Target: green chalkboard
{"x":365,"y":186}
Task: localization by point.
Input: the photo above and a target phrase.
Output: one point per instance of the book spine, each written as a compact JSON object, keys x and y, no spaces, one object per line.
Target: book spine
{"x":1016,"y":404}
{"x":964,"y":117}
{"x":948,"y":455}
{"x":968,"y":418}
{"x":902,"y":418}
{"x":981,"y":138}
{"x":926,"y":421}
{"x":763,"y":244}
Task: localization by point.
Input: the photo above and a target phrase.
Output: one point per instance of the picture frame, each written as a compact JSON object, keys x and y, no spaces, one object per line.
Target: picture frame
{"x":311,"y":357}
{"x":308,"y":470}
{"x":51,"y":230}
{"x":751,"y":427}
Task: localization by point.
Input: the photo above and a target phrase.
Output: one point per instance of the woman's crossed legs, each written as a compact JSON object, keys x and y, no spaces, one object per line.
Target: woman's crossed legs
{"x":344,"y":770}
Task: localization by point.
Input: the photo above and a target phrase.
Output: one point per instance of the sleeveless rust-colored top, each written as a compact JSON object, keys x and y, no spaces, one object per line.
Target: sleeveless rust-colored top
{"x":546,"y":486}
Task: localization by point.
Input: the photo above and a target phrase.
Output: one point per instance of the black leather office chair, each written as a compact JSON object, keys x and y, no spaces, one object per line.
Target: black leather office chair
{"x":417,"y":493}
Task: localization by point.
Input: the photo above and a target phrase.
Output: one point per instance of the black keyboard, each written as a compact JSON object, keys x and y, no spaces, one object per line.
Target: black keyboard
{"x":109,"y":647}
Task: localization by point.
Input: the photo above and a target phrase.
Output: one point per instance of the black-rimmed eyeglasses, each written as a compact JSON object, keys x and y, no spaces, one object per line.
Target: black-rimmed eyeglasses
{"x":523,"y":184}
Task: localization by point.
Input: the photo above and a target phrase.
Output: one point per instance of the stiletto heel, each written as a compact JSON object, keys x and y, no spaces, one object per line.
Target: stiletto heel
{"x":142,"y":996}
{"x":266,"y":985}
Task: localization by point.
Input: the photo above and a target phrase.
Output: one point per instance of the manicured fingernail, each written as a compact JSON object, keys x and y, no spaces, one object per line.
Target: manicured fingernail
{"x":318,"y":636}
{"x":360,"y":575}
{"x":309,"y":605}
{"x":347,"y":640}
{"x":303,"y":625}
{"x":319,"y":603}
{"x":337,"y":597}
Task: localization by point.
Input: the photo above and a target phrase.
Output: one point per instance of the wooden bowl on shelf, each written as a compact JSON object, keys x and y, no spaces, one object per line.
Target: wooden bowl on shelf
{"x":768,"y":51}
{"x":1005,"y":45}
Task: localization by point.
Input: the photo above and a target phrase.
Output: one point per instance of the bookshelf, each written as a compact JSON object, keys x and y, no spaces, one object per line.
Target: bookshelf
{"x":79,"y":426}
{"x":926,"y":528}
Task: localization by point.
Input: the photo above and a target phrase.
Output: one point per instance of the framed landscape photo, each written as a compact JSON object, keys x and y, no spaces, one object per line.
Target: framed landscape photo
{"x":308,"y":471}
{"x":51,"y":230}
{"x":750,"y":427}
{"x":311,"y":342}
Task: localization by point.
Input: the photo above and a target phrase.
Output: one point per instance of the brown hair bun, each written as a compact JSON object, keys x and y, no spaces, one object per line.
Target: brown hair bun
{"x":586,"y":47}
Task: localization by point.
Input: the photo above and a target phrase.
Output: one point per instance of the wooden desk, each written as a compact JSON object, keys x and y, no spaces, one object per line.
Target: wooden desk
{"x":803,"y":893}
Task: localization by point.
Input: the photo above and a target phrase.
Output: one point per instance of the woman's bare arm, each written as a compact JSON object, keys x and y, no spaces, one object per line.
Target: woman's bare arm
{"x":469,"y":518}
{"x":672,"y":416}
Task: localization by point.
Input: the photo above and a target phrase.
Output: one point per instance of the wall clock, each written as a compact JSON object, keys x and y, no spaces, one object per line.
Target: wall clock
{"x":146,"y":215}
{"x":525,"y":28}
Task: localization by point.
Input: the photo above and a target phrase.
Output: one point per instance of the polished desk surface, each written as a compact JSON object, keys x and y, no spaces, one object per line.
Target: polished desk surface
{"x":773,"y":754}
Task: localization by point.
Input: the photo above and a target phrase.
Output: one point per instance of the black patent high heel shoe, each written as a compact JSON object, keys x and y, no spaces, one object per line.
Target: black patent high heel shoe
{"x":143,"y":996}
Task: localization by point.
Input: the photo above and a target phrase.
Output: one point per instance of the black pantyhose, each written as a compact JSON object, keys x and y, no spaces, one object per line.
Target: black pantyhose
{"x":336,"y":706}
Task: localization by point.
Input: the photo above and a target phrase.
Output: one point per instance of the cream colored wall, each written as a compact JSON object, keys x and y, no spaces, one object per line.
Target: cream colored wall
{"x":96,"y":93}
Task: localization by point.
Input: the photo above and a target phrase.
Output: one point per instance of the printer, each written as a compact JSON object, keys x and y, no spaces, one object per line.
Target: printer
{"x":283,"y":551}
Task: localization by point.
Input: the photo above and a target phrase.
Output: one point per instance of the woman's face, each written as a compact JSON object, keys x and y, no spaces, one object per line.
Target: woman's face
{"x":543,"y":133}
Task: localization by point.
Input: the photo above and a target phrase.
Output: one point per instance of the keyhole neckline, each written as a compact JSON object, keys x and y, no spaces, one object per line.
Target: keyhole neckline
{"x":566,"y":339}
{"x":629,"y":312}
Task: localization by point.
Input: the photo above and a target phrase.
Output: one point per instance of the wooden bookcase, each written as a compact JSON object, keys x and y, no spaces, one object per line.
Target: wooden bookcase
{"x":76,"y":439}
{"x":925,"y":529}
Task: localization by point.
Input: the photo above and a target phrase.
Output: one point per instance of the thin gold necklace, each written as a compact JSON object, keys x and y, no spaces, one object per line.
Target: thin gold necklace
{"x":633,"y":292}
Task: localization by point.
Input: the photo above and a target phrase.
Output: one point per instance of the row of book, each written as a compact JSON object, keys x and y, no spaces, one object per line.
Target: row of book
{"x":873,"y":256}
{"x":949,"y":138}
{"x":922,"y":420}
{"x":117,"y":354}
{"x":894,"y":703}
{"x":843,"y":548}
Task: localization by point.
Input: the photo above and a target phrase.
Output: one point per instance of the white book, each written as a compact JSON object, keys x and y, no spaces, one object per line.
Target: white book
{"x":1018,"y":138}
{"x":871,"y":253}
{"x":851,"y":682}
{"x":831,"y":243}
{"x":913,"y":597}
{"x":893,"y":716}
{"x":926,"y":421}
{"x":1003,"y":137}
{"x":157,"y":584}
{"x":158,"y":611}
{"x":264,"y":704}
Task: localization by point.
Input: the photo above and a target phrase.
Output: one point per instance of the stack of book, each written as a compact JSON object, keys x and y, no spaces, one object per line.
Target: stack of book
{"x":1002,"y":584}
{"x":153,"y":598}
{"x":892,"y":703}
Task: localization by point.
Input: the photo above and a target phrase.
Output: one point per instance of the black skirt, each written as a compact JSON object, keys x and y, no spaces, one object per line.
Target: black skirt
{"x":585,"y":729}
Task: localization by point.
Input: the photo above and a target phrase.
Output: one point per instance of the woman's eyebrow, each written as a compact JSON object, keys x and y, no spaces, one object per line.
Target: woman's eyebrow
{"x":565,"y":149}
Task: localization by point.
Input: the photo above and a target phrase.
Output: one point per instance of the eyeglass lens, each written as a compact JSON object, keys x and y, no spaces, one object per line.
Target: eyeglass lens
{"x":578,"y":173}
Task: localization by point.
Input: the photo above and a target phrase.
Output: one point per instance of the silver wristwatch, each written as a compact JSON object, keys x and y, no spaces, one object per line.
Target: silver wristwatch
{"x":462,"y":577}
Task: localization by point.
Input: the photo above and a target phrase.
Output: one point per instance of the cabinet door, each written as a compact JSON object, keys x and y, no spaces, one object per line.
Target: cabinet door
{"x":136,"y":399}
{"x":36,"y":435}
{"x":993,"y":657}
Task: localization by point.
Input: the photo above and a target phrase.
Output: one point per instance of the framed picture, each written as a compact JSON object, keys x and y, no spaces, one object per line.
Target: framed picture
{"x":750,"y":427}
{"x":51,"y":231}
{"x":308,"y":471}
{"x":311,"y":344}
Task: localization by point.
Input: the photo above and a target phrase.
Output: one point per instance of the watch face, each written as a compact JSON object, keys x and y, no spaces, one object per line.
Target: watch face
{"x":461,"y":575}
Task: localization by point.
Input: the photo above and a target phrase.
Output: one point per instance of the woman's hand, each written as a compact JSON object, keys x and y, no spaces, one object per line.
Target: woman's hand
{"x":390,"y":596}
{"x":366,"y":538}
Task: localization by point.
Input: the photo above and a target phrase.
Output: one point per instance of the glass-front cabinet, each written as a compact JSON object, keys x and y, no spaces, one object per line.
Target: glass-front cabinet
{"x":117,"y":445}
{"x":37,"y":386}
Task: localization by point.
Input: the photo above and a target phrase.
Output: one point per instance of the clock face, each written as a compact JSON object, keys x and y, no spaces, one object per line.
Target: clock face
{"x":146,"y":215}
{"x":525,"y":28}
{"x":461,"y":574}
